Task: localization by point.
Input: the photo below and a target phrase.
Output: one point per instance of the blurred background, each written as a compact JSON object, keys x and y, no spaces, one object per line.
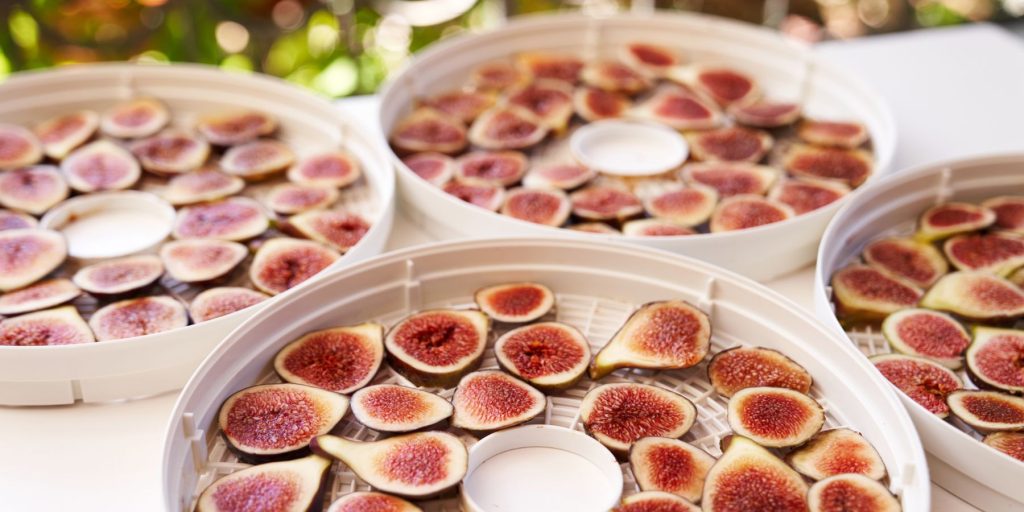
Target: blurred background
{"x":344,"y":47}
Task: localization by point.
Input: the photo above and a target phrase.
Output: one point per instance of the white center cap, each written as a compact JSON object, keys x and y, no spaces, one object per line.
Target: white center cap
{"x":629,"y":148}
{"x":111,"y":224}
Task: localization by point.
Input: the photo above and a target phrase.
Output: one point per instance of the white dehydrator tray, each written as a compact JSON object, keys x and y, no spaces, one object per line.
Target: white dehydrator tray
{"x":958,"y":460}
{"x":597,"y":285}
{"x":157,"y":363}
{"x":779,"y":66}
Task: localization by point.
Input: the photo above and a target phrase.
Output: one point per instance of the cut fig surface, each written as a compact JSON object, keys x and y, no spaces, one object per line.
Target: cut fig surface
{"x":867,"y":295}
{"x":368,"y":501}
{"x":670,"y":465}
{"x":834,"y":452}
{"x":339,"y":359}
{"x":976,"y":296}
{"x":766,"y":113}
{"x":603,"y":202}
{"x":925,"y":382}
{"x":32,"y":189}
{"x":338,"y":229}
{"x":507,"y":127}
{"x":746,"y":367}
{"x":842,"y":134}
{"x":232,"y":219}
{"x":277,"y":421}
{"x":843,"y":493}
{"x":548,"y":207}
{"x":515,"y":303}
{"x":987,"y":411}
{"x":560,"y":176}
{"x":654,"y":59}
{"x":660,"y":335}
{"x":491,"y":167}
{"x":41,"y":295}
{"x":997,"y":253}
{"x":464,"y":105}
{"x":201,"y":260}
{"x":228,"y":129}
{"x":100,"y":165}
{"x":655,"y":501}
{"x":775,"y":417}
{"x":731,"y":178}
{"x":551,"y":65}
{"x":806,"y":195}
{"x":257,"y":160}
{"x":849,"y":166}
{"x":611,"y":75}
{"x":136,"y":118}
{"x":291,"y":198}
{"x":27,"y":255}
{"x":656,"y":227}
{"x":217,"y":302}
{"x":497,"y":75}
{"x":287,"y":486}
{"x":929,"y":334}
{"x":593,"y":104}
{"x":427,"y":130}
{"x":58,"y":326}
{"x":551,"y":356}
{"x":391,"y":408}
{"x":917,"y":262}
{"x":749,"y":477}
{"x":618,"y":415}
{"x":994,"y":359}
{"x":436,"y":168}
{"x":599,"y":228}
{"x":730,"y":144}
{"x":948,"y":219}
{"x":412,"y":465}
{"x":680,"y":109}
{"x":138,"y":317}
{"x":200,"y":186}
{"x":490,"y":400}
{"x":16,"y":220}
{"x":171,"y":152}
{"x":1009,"y":212}
{"x":688,"y":206}
{"x":337,"y":169}
{"x":120,"y":275}
{"x":726,"y":86}
{"x":435,"y":348}
{"x":747,"y":211}
{"x":1010,"y":443}
{"x":18,"y":147}
{"x":488,"y":197}
{"x":280,"y":264}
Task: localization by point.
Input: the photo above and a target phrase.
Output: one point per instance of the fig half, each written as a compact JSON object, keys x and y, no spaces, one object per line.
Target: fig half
{"x":171,"y":152}
{"x":427,"y":130}
{"x":399,"y":409}
{"x":488,"y":197}
{"x":806,"y":195}
{"x":841,"y":493}
{"x":339,"y":359}
{"x":435,"y":348}
{"x":18,"y":147}
{"x":26,"y":255}
{"x":997,"y":253}
{"x":611,"y":75}
{"x":337,"y":169}
{"x":864,"y":294}
{"x":293,"y":485}
{"x":1009,"y":212}
{"x":605,"y":203}
{"x":731,"y":178}
{"x":16,"y":220}
{"x":746,"y":367}
{"x":507,"y":127}
{"x":119,"y":276}
{"x":994,"y":359}
{"x":747,"y":211}
{"x":464,"y":105}
{"x":63,"y":133}
{"x":775,"y":417}
{"x":680,"y":109}
{"x":232,"y":128}
{"x":547,"y":207}
{"x":138,"y":317}
{"x":515,"y":303}
{"x":491,"y":400}
{"x":41,"y":295}
{"x":599,"y":228}
{"x":560,"y":176}
{"x":688,"y":206}
{"x":415,"y":465}
{"x":656,"y":227}
{"x":848,"y":166}
{"x":491,"y":167}
{"x":136,"y":118}
{"x":497,"y":75}
{"x":257,"y":160}
{"x":948,"y":219}
{"x":670,"y":465}
{"x":368,"y":501}
{"x":841,"y":134}
{"x":926,"y":333}
{"x":58,"y":326}
{"x":766,"y":113}
{"x":217,"y":302}
{"x":976,"y":296}
{"x":594,"y":104}
{"x":654,"y":59}
{"x":551,"y":65}
{"x":925,"y":382}
{"x":730,"y":144}
{"x":1010,"y":443}
{"x":724,"y":85}
{"x":987,"y":411}
{"x":100,"y":165}
{"x":32,"y":189}
{"x":919,"y":263}
{"x":232,"y":219}
{"x":277,"y":421}
{"x":283,"y":263}
{"x":618,"y":415}
{"x":835,"y":452}
{"x":436,"y":168}
{"x":749,"y":477}
{"x":551,"y":356}
{"x":655,"y":501}
{"x":201,"y":186}
{"x":201,"y":260}
{"x":665,"y":335}
{"x":337,"y":229}
{"x":290,"y":198}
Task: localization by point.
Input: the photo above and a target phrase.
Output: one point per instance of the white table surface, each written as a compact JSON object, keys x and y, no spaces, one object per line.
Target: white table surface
{"x":954,"y":92}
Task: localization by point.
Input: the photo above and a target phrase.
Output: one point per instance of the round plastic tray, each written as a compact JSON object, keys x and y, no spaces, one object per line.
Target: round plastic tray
{"x":597,"y":286}
{"x":959,"y":461}
{"x":778,"y":64}
{"x":148,"y":365}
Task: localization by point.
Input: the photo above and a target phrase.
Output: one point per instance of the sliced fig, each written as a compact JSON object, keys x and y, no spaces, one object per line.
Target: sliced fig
{"x":290,"y":198}
{"x":369,"y":501}
{"x":1010,"y":443}
{"x":749,"y":477}
{"x":201,"y":260}
{"x":32,"y":189}
{"x":171,"y":152}
{"x":415,"y":465}
{"x":997,"y":253}
{"x":835,"y":452}
{"x":551,"y":65}
{"x":730,"y":144}
{"x":806,"y":195}
{"x":747,"y":211}
{"x":655,"y":501}
{"x":926,"y":382}
{"x":200,"y":186}
{"x":283,"y":263}
{"x":865,"y":294}
{"x":1009,"y":212}
{"x":725,"y":86}
{"x":464,"y":105}
{"x":489,"y":197}
{"x":277,"y":421}
{"x":976,"y":296}
{"x":840,"y":134}
{"x":233,"y":219}
{"x":427,"y":130}
{"x":63,"y":133}
{"x":948,"y":219}
{"x":670,"y":465}
{"x":339,"y":359}
{"x":338,"y":229}
{"x":775,"y":417}
{"x":551,"y":356}
{"x":656,"y":227}
{"x":653,"y":59}
{"x":58,"y":326}
{"x":680,"y":109}
{"x":507,"y":127}
{"x":688,"y":206}
{"x":842,"y":493}
{"x":18,"y":147}
{"x":138,"y":317}
{"x":257,"y":160}
{"x":987,"y":411}
{"x":615,"y":76}
{"x":515,"y":303}
{"x":119,"y":276}
{"x":292,"y":485}
{"x":603,"y":202}
{"x":436,"y":168}
{"x":498,"y":75}
{"x":491,"y":400}
{"x":917,"y":262}
{"x":549,"y":100}
{"x":233,"y":128}
{"x":599,"y":228}
{"x":926,"y":333}
{"x":994,"y":359}
{"x":746,"y":367}
{"x":620,"y":414}
{"x":491,"y":167}
{"x":765,"y":113}
{"x":594,"y":104}
{"x":560,"y":176}
{"x":664,"y":335}
{"x":731,"y":178}
{"x":217,"y":302}
{"x":26,"y":255}
{"x":41,"y":295}
{"x":435,"y":348}
{"x":391,"y":408}
{"x":548,"y":207}
{"x":337,"y":169}
{"x":136,"y":118}
{"x":16,"y":220}
{"x":849,"y":166}
{"x":100,"y":165}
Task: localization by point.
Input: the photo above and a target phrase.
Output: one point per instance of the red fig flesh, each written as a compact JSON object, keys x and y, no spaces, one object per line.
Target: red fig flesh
{"x":436,"y":168}
{"x":655,"y":501}
{"x":842,"y":134}
{"x":100,"y":165}
{"x":290,"y":198}
{"x":747,"y":211}
{"x":200,"y":260}
{"x":497,"y":75}
{"x":462,"y":105}
{"x":917,"y":262}
{"x":976,"y":296}
{"x":925,"y":382}
{"x":656,"y":227}
{"x":340,"y":359}
{"x":491,"y":400}
{"x":140,"y":117}
{"x":549,"y":100}
{"x":731,"y":178}
{"x":427,"y":130}
{"x":217,"y":302}
{"x":281,"y":264}
{"x":491,"y":167}
{"x":994,"y":359}
{"x":338,"y":229}
{"x":775,"y":417}
{"x":997,"y":253}
{"x":725,"y":86}
{"x":337,"y":169}
{"x":680,"y":109}
{"x":660,"y":335}
{"x":806,"y":195}
{"x":551,"y":356}
{"x":488,"y":197}
{"x":656,"y":60}
{"x":603,"y":202}
{"x":670,"y":465}
{"x":515,"y":303}
{"x":121,"y":275}
{"x":368,"y":501}
{"x":745,"y":367}
{"x":561,"y":176}
{"x":835,"y":452}
{"x":928,"y":334}
{"x":18,"y":147}
{"x":16,"y":220}
{"x":32,"y":189}
{"x":435,"y":348}
{"x":688,"y":206}
{"x":849,"y":166}
{"x":506,"y":127}
{"x":610,"y":75}
{"x":732,"y":144}
{"x":171,"y":152}
{"x":391,"y":408}
{"x":539,"y":206}
{"x":26,"y":255}
{"x":200,"y":186}
{"x":59,"y":326}
{"x":948,"y":219}
{"x":233,"y":219}
{"x":749,"y":477}
{"x":41,"y":295}
{"x":865,"y":294}
{"x":294,"y":485}
{"x":257,"y":160}
{"x":842,"y":493}
{"x":618,"y":415}
{"x":236,"y":127}
{"x":1009,"y":212}
{"x":594,"y":104}
{"x":1010,"y":443}
{"x":987,"y":411}
{"x":138,"y":317}
{"x":766,"y":114}
{"x":550,"y":65}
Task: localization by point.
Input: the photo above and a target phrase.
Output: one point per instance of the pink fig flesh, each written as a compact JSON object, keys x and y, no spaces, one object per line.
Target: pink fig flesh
{"x":489,"y":197}
{"x":32,"y":189}
{"x":807,"y":195}
{"x":462,"y":105}
{"x":436,"y":168}
{"x":1009,"y":212}
{"x":63,"y":133}
{"x":618,"y":415}
{"x":236,"y":127}
{"x":539,"y":206}
{"x":594,"y":104}
{"x":744,"y":367}
{"x":851,"y":167}
{"x":731,"y":178}
{"x":747,"y":211}
{"x":340,"y":359}
{"x":920,"y":263}
{"x":218,"y":302}
{"x":605,"y":203}
{"x":491,"y":167}
{"x":924,"y":381}
{"x":550,"y":65}
{"x":336,"y":169}
{"x":775,"y":417}
{"x":731,"y":144}
{"x":766,"y":114}
{"x":428,"y":130}
{"x":843,"y":134}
